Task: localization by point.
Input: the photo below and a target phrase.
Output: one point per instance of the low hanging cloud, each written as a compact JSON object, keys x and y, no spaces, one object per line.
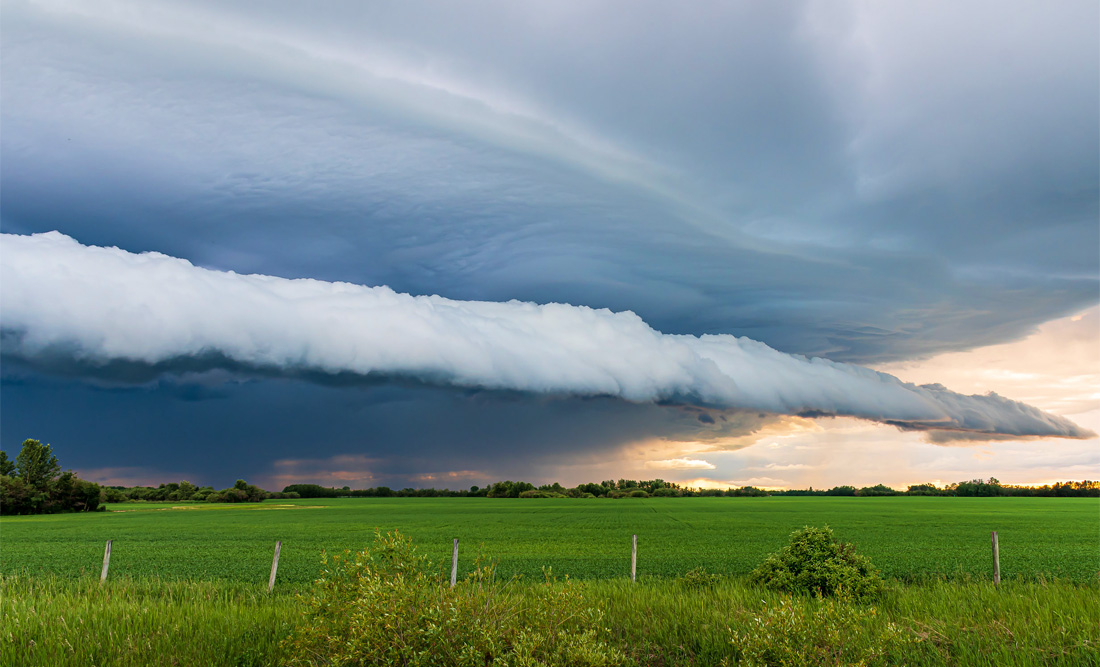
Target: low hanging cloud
{"x":94,"y":307}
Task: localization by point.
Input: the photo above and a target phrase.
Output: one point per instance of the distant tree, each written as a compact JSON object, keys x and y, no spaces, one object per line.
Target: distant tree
{"x":749,"y":491}
{"x":113,"y":495}
{"x":72,"y":494}
{"x":923,"y":490}
{"x":653,"y":484}
{"x":592,"y":488}
{"x":34,"y":484}
{"x":500,"y":489}
{"x":187,"y":490}
{"x":36,"y":464}
{"x":877,"y":490}
{"x":241,"y":492}
{"x":7,"y":466}
{"x":978,"y":487}
{"x":283,"y":495}
{"x":310,"y":490}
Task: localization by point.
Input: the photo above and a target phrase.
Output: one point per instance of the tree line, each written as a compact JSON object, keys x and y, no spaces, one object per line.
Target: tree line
{"x":184,"y":491}
{"x":975,"y":488}
{"x":659,"y":488}
{"x":33,"y":483}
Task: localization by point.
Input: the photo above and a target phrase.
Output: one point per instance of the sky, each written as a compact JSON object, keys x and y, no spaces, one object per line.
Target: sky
{"x":431,"y":244}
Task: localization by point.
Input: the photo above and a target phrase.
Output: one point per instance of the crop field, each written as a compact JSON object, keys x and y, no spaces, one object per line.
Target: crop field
{"x":188,"y":582}
{"x":908,"y":538}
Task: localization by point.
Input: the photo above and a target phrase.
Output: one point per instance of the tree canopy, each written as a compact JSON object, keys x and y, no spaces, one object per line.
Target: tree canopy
{"x":36,"y":463}
{"x":34,"y":484}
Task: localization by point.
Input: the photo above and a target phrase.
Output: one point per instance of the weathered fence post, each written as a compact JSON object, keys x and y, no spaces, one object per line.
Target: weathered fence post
{"x":634,"y":559}
{"x":454,"y":564}
{"x":106,"y":562}
{"x":996,"y":560}
{"x":274,"y":566}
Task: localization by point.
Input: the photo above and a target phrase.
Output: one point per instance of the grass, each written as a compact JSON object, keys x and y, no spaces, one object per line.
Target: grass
{"x":933,"y":623}
{"x":62,"y":621}
{"x":147,"y":621}
{"x":187,"y":583}
{"x":907,"y":538}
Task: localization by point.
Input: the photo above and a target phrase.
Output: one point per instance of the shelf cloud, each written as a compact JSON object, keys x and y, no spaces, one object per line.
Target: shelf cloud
{"x":95,"y":308}
{"x":808,"y":174}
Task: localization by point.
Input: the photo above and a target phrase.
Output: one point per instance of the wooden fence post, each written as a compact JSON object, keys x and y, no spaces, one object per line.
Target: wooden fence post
{"x":106,"y":562}
{"x":996,"y":560}
{"x":274,"y":566}
{"x":454,"y":564}
{"x":634,"y":559}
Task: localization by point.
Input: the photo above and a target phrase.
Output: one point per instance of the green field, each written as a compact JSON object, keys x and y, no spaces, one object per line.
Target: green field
{"x":908,"y":538}
{"x":187,"y":583}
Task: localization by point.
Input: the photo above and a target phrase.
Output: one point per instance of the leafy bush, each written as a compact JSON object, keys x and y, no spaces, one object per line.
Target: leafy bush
{"x":801,"y":635}
{"x":537,"y":493}
{"x":815,"y":562}
{"x":388,"y":605}
{"x":878,"y":490}
{"x":283,"y":495}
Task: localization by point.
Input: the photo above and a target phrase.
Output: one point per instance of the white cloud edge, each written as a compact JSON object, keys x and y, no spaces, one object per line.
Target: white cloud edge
{"x":100,"y":305}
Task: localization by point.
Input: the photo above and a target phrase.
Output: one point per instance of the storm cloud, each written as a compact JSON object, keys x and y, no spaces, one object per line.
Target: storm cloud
{"x":742,"y":203}
{"x":857,"y":181}
{"x":101,"y":305}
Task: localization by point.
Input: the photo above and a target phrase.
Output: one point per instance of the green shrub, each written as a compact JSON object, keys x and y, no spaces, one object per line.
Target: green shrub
{"x":816,"y":635}
{"x":815,"y":562}
{"x":537,"y":493}
{"x":388,"y":605}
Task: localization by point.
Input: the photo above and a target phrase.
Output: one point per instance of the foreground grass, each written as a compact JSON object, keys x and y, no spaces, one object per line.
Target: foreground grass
{"x":934,"y":623}
{"x":144,"y":621}
{"x":148,"y":621}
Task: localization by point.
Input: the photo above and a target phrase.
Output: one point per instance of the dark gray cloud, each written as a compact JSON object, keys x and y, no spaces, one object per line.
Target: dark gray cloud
{"x":282,"y":430}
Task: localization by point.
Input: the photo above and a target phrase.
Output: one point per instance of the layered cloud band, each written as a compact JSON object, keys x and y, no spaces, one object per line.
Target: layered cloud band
{"x":97,"y":306}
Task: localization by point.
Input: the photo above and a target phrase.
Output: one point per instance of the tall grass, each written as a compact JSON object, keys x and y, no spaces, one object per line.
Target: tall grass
{"x":656,"y":622}
{"x":148,"y":621}
{"x":935,"y":623}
